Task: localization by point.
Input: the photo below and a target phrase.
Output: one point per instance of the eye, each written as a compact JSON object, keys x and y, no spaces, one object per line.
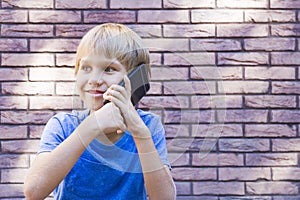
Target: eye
{"x":86,"y":68}
{"x":110,"y":69}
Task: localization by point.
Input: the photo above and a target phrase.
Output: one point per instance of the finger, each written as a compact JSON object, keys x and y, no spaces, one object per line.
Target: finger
{"x":115,"y":93}
{"x":119,"y":88}
{"x":127,"y":84}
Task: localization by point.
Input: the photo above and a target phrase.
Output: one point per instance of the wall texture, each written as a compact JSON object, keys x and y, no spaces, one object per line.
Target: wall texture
{"x":225,"y":81}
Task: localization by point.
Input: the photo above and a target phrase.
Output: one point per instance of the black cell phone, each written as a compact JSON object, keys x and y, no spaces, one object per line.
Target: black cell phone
{"x":139,"y":83}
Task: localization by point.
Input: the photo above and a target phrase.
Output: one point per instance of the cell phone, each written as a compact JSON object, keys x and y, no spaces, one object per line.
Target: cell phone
{"x":139,"y":83}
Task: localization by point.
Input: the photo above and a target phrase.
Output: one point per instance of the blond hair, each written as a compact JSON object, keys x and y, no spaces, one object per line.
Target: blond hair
{"x":114,"y":41}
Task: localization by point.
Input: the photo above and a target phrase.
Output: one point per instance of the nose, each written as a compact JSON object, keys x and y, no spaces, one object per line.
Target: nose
{"x":96,"y":79}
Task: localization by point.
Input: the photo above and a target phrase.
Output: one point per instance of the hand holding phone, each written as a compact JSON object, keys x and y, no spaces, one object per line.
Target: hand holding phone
{"x":139,"y":83}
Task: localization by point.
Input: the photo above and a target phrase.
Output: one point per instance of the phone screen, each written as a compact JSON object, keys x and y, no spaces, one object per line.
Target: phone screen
{"x":139,"y":83}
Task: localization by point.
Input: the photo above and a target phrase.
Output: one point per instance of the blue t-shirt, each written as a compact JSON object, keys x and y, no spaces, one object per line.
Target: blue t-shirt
{"x":103,"y":171}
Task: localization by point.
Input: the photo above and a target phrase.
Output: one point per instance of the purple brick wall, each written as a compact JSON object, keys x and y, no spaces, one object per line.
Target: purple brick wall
{"x":224,"y":80}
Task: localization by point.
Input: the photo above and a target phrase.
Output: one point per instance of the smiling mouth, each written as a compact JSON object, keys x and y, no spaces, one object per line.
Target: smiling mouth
{"x":95,"y":93}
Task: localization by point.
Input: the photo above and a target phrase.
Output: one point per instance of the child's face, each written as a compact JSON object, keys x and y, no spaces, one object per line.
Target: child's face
{"x":95,"y":75}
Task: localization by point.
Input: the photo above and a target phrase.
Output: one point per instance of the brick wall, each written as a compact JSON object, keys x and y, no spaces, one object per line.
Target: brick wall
{"x":224,"y":79}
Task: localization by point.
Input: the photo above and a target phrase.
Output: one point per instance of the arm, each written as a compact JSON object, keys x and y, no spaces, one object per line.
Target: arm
{"x":158,"y":180}
{"x":50,"y":168}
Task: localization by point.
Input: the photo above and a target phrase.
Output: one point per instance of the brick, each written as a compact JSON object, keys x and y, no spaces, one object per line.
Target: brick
{"x":217,"y":130}
{"x":163,"y":44}
{"x":215,"y":45}
{"x":270,"y":16}
{"x":206,"y":73}
{"x":13,"y":160}
{"x":155,"y":88}
{"x":271,"y":159}
{"x":54,"y":16}
{"x":92,"y":4}
{"x":220,"y":159}
{"x":20,"y":146}
{"x":189,"y":58}
{"x":65,"y":59}
{"x":176,"y":130}
{"x":13,"y":16}
{"x":164,"y":102}
{"x":191,"y":144}
{"x":270,"y":101}
{"x":287,"y":87}
{"x":13,"y":175}
{"x":285,"y":29}
{"x":27,"y":4}
{"x":54,"y":45}
{"x":243,"y":116}
{"x":13,"y":45}
{"x":66,"y":88}
{"x":24,"y":117}
{"x":269,"y":130}
{"x":30,"y":30}
{"x":189,"y":4}
{"x":242,"y":4}
{"x":28,"y":88}
{"x":191,"y":87}
{"x":271,"y":188}
{"x":287,"y":116}
{"x":216,"y":101}
{"x":269,"y":44}
{"x":178,"y":159}
{"x":11,"y":190}
{"x":244,"y":174}
{"x":242,"y":30}
{"x":7,"y":102}
{"x":284,"y":4}
{"x":285,"y":145}
{"x":265,"y":73}
{"x":244,"y":145}
{"x":286,"y":197}
{"x":72,"y":30}
{"x":55,"y":102}
{"x":15,"y":74}
{"x":188,"y":116}
{"x":51,"y":74}
{"x":183,"y":188}
{"x":147,"y":30}
{"x":285,"y":58}
{"x":244,"y":87}
{"x":251,"y":197}
{"x":252,"y":58}
{"x":174,"y":73}
{"x":189,"y":30}
{"x":156,"y":58}
{"x":218,"y":188}
{"x":196,"y":198}
{"x":13,"y":132}
{"x":185,"y":173}
{"x":116,"y":16}
{"x":33,"y":59}
{"x":286,"y":173}
{"x":35,"y":132}
{"x":163,"y":16}
{"x":216,"y":16}
{"x":135,"y":4}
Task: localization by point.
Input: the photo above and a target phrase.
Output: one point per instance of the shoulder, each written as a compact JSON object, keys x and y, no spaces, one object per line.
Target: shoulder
{"x":76,"y":116}
{"x":148,"y":117}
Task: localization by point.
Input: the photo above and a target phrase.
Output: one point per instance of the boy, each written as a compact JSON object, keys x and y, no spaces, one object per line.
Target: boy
{"x":110,"y":151}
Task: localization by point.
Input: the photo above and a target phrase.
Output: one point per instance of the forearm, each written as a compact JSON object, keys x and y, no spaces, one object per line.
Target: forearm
{"x":158,"y":180}
{"x":49,"y":169}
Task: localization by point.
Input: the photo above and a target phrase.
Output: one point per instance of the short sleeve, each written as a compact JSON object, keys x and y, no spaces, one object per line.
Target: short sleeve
{"x":52,"y":135}
{"x":158,"y":136}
